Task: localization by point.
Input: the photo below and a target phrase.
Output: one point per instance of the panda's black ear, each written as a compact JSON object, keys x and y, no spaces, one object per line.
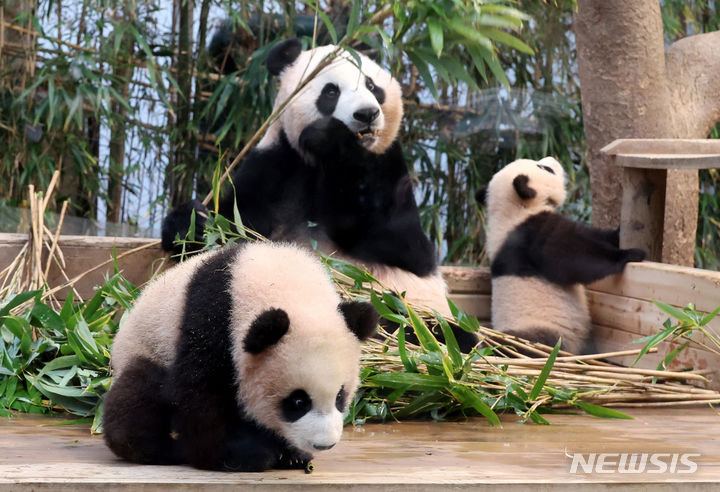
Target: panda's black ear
{"x":361,"y":318}
{"x":282,"y":55}
{"x":520,"y":183}
{"x":267,"y":330}
{"x":481,"y":195}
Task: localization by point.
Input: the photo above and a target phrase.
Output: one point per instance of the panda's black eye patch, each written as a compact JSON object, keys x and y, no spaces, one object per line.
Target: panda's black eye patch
{"x":340,"y":399}
{"x":295,"y":405}
{"x":328,"y":98}
{"x":546,"y":168}
{"x":331,"y":91}
{"x":377,"y":91}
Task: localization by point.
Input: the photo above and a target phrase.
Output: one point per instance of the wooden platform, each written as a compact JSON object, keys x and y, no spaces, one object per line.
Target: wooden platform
{"x":401,"y":456}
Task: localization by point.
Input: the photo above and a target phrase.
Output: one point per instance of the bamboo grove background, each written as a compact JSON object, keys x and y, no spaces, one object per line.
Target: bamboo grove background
{"x":135,"y":104}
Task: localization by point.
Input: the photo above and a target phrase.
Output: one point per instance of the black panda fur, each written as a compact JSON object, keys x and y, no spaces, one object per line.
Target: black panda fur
{"x":540,"y":260}
{"x":181,"y":404}
{"x":323,"y":182}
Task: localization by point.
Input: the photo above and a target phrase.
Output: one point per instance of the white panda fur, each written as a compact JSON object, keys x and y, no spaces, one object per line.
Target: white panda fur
{"x":343,"y":71}
{"x":540,"y":259}
{"x":175,"y":333}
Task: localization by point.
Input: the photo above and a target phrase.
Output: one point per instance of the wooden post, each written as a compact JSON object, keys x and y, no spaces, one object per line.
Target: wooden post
{"x":645,"y":163}
{"x":642,"y":214}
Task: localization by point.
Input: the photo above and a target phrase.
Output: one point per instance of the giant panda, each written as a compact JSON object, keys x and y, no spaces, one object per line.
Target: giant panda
{"x":539,"y":259}
{"x":241,"y":359}
{"x":330,"y":169}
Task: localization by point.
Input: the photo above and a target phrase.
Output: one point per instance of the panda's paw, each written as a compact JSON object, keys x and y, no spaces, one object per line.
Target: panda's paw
{"x":634,"y":254}
{"x":177,"y":224}
{"x":293,"y":459}
{"x":327,"y":136}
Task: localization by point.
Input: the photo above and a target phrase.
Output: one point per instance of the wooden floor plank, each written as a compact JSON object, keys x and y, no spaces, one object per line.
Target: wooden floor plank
{"x":398,"y":456}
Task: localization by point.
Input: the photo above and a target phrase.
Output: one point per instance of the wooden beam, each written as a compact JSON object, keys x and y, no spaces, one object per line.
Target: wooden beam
{"x":670,"y":284}
{"x":82,"y":253}
{"x":667,"y":153}
{"x":475,"y":280}
{"x":611,"y":339}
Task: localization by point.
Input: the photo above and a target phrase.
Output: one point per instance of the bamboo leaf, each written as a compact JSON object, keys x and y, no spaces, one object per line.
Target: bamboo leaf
{"x":652,"y":341}
{"x":709,"y":317}
{"x":669,"y":358}
{"x":450,"y":342}
{"x":436,"y":36}
{"x":676,"y":313}
{"x":538,"y":386}
{"x":328,"y":25}
{"x":469,"y":397}
{"x":424,"y":72}
{"x":47,"y":317}
{"x":17,"y":300}
{"x":408,"y":363}
{"x":507,"y":39}
{"x":425,"y":337}
{"x":354,"y":20}
{"x":414,"y":381}
{"x":598,"y":411}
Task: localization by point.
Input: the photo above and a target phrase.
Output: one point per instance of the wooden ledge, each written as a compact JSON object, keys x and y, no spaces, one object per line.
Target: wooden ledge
{"x":651,"y":153}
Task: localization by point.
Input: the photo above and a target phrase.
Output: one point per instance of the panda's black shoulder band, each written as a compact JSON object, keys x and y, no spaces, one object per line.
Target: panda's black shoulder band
{"x":282,"y":55}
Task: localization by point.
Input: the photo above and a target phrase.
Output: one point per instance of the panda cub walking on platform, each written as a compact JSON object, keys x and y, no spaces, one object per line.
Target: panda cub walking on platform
{"x":540,"y":260}
{"x":241,"y":359}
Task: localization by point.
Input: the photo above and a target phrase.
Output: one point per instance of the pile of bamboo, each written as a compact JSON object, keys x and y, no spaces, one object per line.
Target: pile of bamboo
{"x":593,"y":377}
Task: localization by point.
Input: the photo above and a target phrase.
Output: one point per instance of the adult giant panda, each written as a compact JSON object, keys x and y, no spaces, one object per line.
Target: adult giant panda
{"x":330,"y":168}
{"x":242,"y":359}
{"x":540,"y":260}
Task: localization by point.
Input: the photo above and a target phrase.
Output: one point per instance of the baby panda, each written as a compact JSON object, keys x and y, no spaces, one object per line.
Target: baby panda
{"x":242,"y":359}
{"x":540,"y":260}
{"x":330,"y":169}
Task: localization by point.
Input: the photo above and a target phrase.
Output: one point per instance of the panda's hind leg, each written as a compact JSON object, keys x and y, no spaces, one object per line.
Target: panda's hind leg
{"x":137,"y":415}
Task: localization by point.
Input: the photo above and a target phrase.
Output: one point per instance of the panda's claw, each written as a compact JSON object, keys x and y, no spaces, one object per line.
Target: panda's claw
{"x":293,"y":460}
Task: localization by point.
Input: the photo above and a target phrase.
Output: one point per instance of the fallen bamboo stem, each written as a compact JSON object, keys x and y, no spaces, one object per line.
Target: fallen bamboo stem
{"x":605,"y":369}
{"x":56,"y":237}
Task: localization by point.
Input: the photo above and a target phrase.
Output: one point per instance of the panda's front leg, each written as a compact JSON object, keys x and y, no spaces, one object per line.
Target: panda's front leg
{"x":249,"y":454}
{"x":292,"y":458}
{"x":329,"y":140}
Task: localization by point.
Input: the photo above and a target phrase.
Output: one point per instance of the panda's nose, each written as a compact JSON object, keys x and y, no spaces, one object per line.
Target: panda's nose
{"x":366,"y":115}
{"x":321,"y":447}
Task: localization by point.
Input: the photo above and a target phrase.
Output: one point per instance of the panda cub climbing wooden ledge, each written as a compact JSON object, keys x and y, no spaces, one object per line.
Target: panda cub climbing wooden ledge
{"x":540,"y":260}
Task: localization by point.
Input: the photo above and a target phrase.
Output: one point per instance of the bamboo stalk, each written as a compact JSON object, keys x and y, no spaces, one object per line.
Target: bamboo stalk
{"x":662,"y":404}
{"x":605,"y":369}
